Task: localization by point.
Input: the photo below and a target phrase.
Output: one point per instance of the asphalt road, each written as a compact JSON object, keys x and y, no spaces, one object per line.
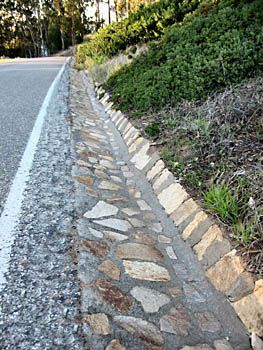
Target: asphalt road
{"x":23,"y":87}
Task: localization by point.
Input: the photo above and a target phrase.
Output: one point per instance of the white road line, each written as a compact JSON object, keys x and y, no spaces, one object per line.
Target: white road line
{"x":28,"y":69}
{"x":12,"y":209}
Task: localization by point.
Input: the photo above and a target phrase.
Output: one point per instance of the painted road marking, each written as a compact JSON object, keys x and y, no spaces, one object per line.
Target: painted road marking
{"x":12,"y":208}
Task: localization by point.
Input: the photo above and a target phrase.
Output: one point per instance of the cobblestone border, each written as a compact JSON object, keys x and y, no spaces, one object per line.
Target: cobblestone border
{"x":222,"y":265}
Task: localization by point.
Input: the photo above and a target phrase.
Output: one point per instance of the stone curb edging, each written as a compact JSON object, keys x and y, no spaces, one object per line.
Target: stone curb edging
{"x":223,"y":267}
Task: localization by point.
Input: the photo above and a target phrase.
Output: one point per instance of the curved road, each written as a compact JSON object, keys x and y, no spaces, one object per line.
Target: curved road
{"x":23,"y":87}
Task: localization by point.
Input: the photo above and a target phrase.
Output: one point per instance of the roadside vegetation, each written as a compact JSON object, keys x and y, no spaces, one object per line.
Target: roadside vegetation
{"x":197,"y":93}
{"x":148,"y":23}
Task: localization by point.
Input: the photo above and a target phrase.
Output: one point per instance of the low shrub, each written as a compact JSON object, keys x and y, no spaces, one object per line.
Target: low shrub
{"x":206,"y":53}
{"x":146,"y":24}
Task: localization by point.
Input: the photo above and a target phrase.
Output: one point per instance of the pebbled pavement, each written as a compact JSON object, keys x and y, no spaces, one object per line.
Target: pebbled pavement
{"x":142,"y":287}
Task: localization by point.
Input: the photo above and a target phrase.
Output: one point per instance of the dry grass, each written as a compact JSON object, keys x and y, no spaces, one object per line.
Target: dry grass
{"x":219,"y":143}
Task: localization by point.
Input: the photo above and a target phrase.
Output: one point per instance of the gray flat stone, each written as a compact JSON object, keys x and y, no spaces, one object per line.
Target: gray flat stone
{"x":101,"y":209}
{"x":150,"y":299}
{"x":130,"y":211}
{"x":115,"y":236}
{"x":137,"y":223}
{"x":96,"y":233}
{"x":147,"y":332}
{"x":117,"y":224}
{"x":177,"y":321}
{"x":207,"y":322}
{"x":138,"y":251}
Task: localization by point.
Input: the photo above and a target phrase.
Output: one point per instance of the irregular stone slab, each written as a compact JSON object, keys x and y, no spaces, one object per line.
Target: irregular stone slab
{"x":170,"y":252}
{"x":142,"y":237}
{"x":117,"y":224}
{"x":86,"y":180}
{"x":96,"y":233}
{"x":115,"y":236}
{"x":138,"y":251}
{"x":136,"y":222}
{"x":99,"y":323}
{"x":108,"y":164}
{"x":147,"y":271}
{"x":192,"y":295}
{"x":113,"y":295}
{"x":164,"y":239}
{"x":117,"y":199}
{"x":130,"y":211}
{"x":156,"y":227}
{"x":110,"y":186}
{"x":207,"y":322}
{"x":101,"y":209}
{"x":97,"y":248}
{"x":115,"y":345}
{"x":178,"y":321}
{"x":116,"y":178}
{"x":110,"y":269}
{"x":172,"y":196}
{"x":101,"y":174}
{"x":143,"y":205}
{"x":184,"y":211}
{"x":150,"y":299}
{"x":149,"y":216}
{"x":222,"y":344}
{"x":147,"y":332}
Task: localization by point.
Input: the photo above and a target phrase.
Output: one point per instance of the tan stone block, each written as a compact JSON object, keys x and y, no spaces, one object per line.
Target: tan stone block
{"x":226,"y":271}
{"x":184,"y":211}
{"x":141,"y":158}
{"x":172,"y":196}
{"x":213,"y":234}
{"x":155,"y":170}
{"x":199,"y":217}
{"x":136,"y":144}
{"x":161,"y":181}
{"x":132,"y":138}
{"x":250,"y":309}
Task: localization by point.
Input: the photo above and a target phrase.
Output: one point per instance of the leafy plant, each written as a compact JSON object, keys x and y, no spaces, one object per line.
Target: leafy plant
{"x":147,"y":24}
{"x":207,"y":52}
{"x":152,"y":130}
{"x":221,"y":200}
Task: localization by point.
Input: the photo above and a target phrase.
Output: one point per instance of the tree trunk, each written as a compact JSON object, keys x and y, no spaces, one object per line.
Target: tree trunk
{"x":109,"y":14}
{"x":62,"y":39}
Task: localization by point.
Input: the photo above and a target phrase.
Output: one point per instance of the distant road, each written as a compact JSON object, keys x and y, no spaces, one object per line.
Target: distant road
{"x":23,"y":86}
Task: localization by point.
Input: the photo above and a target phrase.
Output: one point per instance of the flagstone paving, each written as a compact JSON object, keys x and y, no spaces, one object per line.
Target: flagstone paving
{"x":142,"y":286}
